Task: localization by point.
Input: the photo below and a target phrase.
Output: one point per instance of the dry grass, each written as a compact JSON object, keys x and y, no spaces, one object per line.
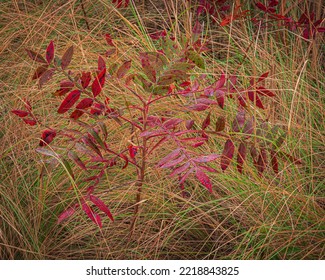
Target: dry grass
{"x":246,"y":217}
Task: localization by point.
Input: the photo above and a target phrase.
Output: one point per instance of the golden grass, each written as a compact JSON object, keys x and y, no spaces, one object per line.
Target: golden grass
{"x":246,"y":217}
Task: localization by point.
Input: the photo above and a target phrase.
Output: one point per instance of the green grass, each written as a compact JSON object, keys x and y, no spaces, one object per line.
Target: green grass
{"x":246,"y":217}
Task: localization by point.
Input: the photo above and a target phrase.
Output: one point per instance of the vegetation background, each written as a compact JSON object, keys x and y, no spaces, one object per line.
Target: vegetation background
{"x":247,"y":217}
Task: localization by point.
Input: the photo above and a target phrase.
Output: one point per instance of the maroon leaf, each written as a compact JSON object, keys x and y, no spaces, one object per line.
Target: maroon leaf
{"x":274,"y":162}
{"x":206,"y":121}
{"x":239,"y":121}
{"x":158,"y":34}
{"x":220,"y":83}
{"x":65,"y":86}
{"x":263,"y":77}
{"x":50,"y":52}
{"x":249,"y":126}
{"x":174,"y":162}
{"x":205,"y":101}
{"x":220,"y":124}
{"x":30,"y":122}
{"x":101,"y":63}
{"x":189,"y":124}
{"x":46,"y":76}
{"x":197,"y":28}
{"x":67,"y":213}
{"x":35,"y":56}
{"x":101,"y":205}
{"x":20,"y":113}
{"x":241,"y":157}
{"x":220,"y":95}
{"x":227,"y":154}
{"x":133,"y":150}
{"x":204,"y":179}
{"x":85,"y":79}
{"x":85,"y":103}
{"x":69,"y":101}
{"x":261,"y":161}
{"x":109,"y":40}
{"x":124,"y":68}
{"x":254,"y":98}
{"x":76,"y":114}
{"x":66,"y":58}
{"x":265,"y":92}
{"x":207,"y":158}
{"x":169,"y":157}
{"x":198,"y":107}
{"x":39,"y":71}
{"x":98,"y":83}
{"x":47,"y":137}
{"x":91,"y":214}
{"x":261,"y":6}
{"x":72,"y":155}
{"x":180,"y":169}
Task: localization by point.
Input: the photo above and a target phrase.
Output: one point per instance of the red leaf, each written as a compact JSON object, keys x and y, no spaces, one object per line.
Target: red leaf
{"x":98,"y":83}
{"x":261,"y":161}
{"x":263,"y":77}
{"x":174,"y":162}
{"x":204,"y":179}
{"x":124,"y":68}
{"x":197,"y":28}
{"x":20,"y":113}
{"x":30,"y":122}
{"x":47,"y":137}
{"x":254,"y":98}
{"x":66,"y":58}
{"x":239,"y":121}
{"x":320,"y":29}
{"x":198,"y":107}
{"x":72,"y":155}
{"x":158,"y":34}
{"x":109,"y":40}
{"x":274,"y":162}
{"x":241,"y":157}
{"x":180,"y":169}
{"x":76,"y":114}
{"x":206,"y":122}
{"x":35,"y":56}
{"x":220,"y":95}
{"x":39,"y":71}
{"x":132,"y":151}
{"x":227,"y":154}
{"x":169,"y":157}
{"x":91,"y":214}
{"x":207,"y":158}
{"x":220,"y":124}
{"x":189,"y":124}
{"x":65,"y":86}
{"x":67,"y":213}
{"x":69,"y":101}
{"x":101,"y":205}
{"x":220,"y":83}
{"x":46,"y":76}
{"x":50,"y":52}
{"x":265,"y":92}
{"x":85,"y":103}
{"x":85,"y":79}
{"x":101,"y":63}
{"x":261,"y":6}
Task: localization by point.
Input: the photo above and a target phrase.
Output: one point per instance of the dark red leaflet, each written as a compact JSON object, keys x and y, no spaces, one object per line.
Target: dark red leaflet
{"x":50,"y":52}
{"x":98,"y":83}
{"x":85,"y":103}
{"x":101,"y":205}
{"x":66,"y":58}
{"x":36,"y":56}
{"x":46,"y":76}
{"x":206,"y":121}
{"x":85,"y":79}
{"x":227,"y":154}
{"x":39,"y":71}
{"x":47,"y":137}
{"x":72,"y":155}
{"x":255,"y":99}
{"x":91,"y":214}
{"x":189,"y":124}
{"x":220,"y":124}
{"x":208,"y":158}
{"x":66,"y":214}
{"x":124,"y":68}
{"x":204,"y":179}
{"x":265,"y":92}
{"x":65,"y":86}
{"x":101,"y":63}
{"x":69,"y":101}
{"x":220,"y":95}
{"x":169,"y":157}
{"x":241,"y":156}
{"x":20,"y":113}
{"x":274,"y":162}
{"x":30,"y":122}
{"x":180,"y":169}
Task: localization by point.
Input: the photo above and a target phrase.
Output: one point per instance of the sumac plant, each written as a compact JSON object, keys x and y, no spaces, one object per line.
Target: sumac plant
{"x":84,"y":99}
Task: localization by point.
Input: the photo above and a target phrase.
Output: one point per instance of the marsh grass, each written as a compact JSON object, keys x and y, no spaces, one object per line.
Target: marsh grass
{"x":247,"y":217}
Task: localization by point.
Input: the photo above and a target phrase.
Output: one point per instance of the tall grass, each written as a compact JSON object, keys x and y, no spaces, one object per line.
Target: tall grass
{"x":247,"y":217}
